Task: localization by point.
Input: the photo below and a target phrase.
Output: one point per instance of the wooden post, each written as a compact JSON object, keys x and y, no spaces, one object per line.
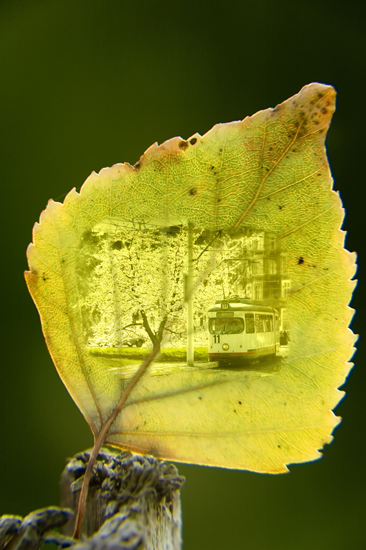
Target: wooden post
{"x":133,"y":502}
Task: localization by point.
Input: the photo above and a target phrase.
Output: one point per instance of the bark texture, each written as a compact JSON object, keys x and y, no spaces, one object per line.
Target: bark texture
{"x":133,"y":504}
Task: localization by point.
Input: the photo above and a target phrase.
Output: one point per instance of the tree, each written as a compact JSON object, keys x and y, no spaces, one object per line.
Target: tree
{"x":136,"y":279}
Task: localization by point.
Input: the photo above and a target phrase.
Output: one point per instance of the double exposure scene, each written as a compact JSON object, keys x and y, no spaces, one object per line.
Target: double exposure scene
{"x":199,"y":295}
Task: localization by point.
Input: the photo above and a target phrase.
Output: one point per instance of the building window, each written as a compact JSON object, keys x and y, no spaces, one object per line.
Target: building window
{"x":286,"y":285}
{"x":257,"y":267}
{"x":258,"y":241}
{"x":258,"y":291}
{"x":272,"y":243}
{"x":272,"y":266}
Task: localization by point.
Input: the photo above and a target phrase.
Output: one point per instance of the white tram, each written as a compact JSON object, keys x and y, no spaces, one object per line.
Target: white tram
{"x":242,"y":328}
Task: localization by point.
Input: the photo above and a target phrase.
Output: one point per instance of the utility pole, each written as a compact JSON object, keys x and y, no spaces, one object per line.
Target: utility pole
{"x":189,"y":299}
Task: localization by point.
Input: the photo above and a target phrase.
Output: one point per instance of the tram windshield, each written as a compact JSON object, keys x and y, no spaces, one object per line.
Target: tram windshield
{"x":226,"y":325}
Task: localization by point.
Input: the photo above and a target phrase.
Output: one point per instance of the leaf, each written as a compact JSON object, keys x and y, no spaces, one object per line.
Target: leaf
{"x":116,"y":252}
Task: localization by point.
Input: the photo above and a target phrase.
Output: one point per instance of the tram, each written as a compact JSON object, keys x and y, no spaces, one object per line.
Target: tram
{"x":240,"y":328}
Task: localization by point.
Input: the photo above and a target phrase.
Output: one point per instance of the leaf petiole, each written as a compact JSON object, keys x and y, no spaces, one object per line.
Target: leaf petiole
{"x":99,"y":440}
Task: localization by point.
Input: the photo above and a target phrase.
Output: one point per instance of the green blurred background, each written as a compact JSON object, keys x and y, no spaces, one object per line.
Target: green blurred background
{"x":85,"y":84}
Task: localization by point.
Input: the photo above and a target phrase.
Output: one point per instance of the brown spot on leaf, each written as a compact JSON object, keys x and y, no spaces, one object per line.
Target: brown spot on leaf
{"x":193,"y":141}
{"x":137,"y":165}
{"x":193,"y":191}
{"x":303,"y":130}
{"x":183,"y":145}
{"x":300,"y":261}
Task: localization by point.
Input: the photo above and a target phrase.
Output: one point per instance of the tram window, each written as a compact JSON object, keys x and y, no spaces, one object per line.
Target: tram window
{"x":228,"y":325}
{"x":261,"y":323}
{"x":249,"y":323}
{"x":270,"y":323}
{"x":258,"y":323}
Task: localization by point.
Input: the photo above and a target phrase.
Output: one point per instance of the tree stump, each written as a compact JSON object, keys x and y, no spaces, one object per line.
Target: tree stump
{"x":133,"y":502}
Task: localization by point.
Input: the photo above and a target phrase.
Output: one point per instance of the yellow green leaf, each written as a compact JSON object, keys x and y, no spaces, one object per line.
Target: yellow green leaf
{"x":107,"y":266}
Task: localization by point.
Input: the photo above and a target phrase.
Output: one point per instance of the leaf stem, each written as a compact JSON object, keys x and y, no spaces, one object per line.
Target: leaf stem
{"x":101,"y":438}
